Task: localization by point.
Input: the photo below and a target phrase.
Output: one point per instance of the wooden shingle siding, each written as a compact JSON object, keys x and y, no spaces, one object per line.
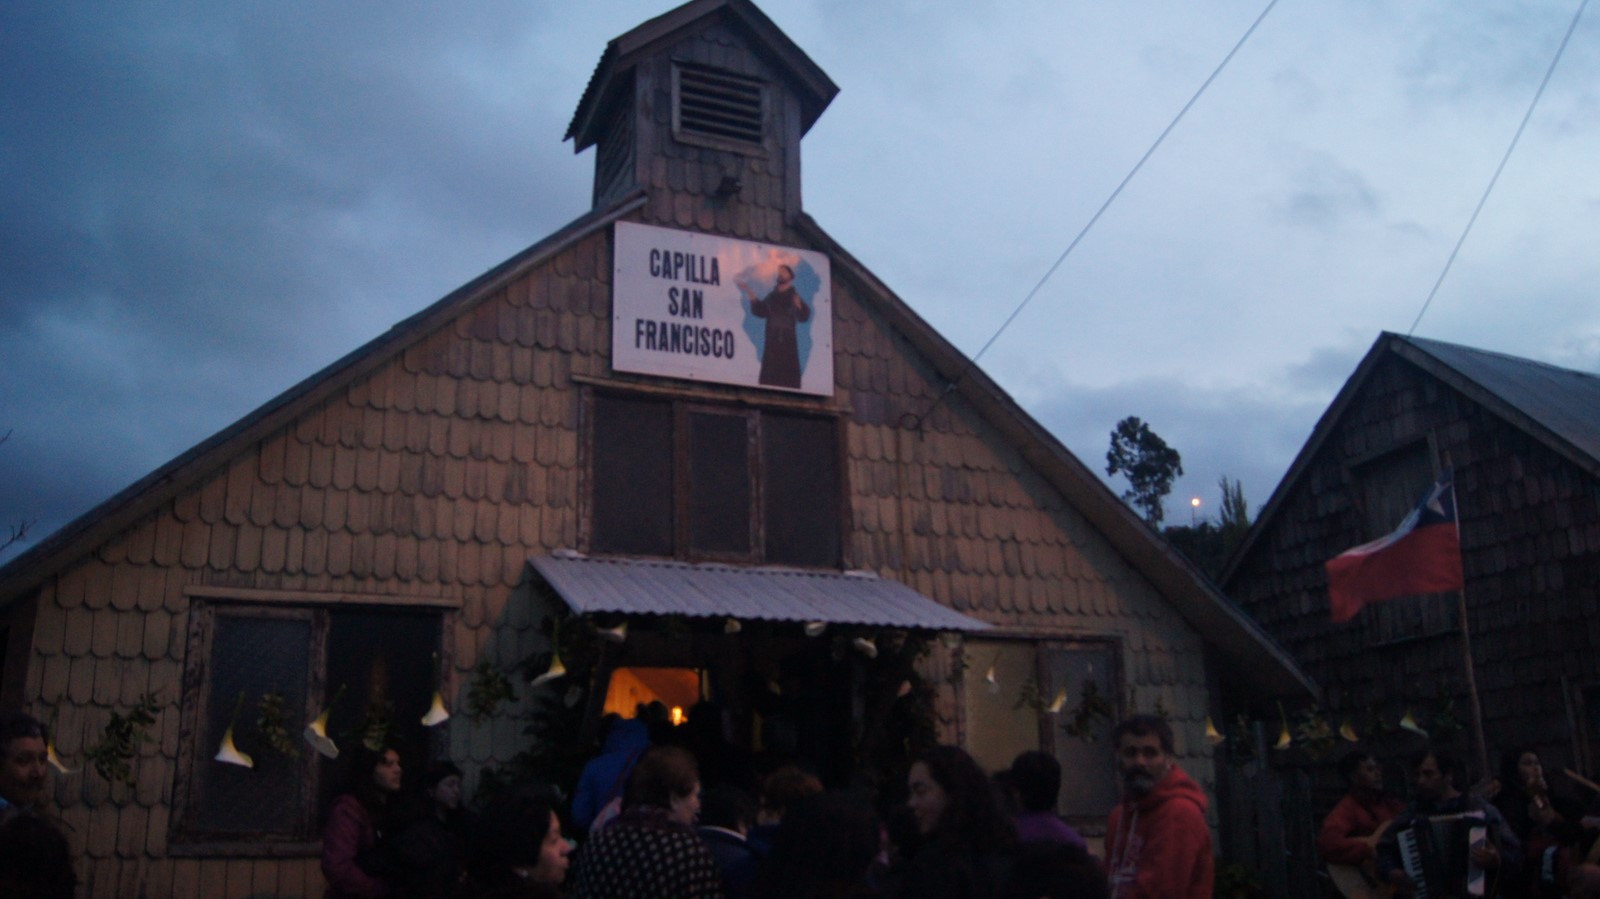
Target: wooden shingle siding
{"x":411,"y":482}
{"x":444,"y":470}
{"x":1528,"y":518}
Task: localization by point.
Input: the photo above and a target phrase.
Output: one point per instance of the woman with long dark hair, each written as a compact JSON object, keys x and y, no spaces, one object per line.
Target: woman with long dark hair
{"x":967,"y":840}
{"x":356,"y":823}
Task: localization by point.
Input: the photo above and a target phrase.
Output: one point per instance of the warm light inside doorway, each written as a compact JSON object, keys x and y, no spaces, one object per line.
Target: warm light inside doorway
{"x":676,"y":688}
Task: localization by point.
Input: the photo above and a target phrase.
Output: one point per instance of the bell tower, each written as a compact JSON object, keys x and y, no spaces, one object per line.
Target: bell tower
{"x":702,"y":109}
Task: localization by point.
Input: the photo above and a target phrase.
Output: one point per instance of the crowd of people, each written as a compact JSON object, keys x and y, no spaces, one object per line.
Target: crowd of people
{"x":648,"y":828}
{"x":1512,"y":836}
{"x":648,"y":819}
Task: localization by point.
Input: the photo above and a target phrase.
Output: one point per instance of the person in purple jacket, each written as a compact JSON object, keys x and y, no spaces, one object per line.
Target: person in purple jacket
{"x":356,"y":824}
{"x":1036,"y":777}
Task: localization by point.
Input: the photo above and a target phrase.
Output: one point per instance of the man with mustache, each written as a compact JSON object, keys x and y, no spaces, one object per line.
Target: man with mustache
{"x":1157,"y":841}
{"x":1433,"y":780}
{"x":23,"y":759}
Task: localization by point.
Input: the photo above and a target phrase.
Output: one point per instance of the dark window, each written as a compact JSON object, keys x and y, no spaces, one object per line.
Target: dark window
{"x":719,"y":484}
{"x":632,"y":471}
{"x":699,"y":482}
{"x":800,"y":458}
{"x":1388,"y":488}
{"x":384,"y":660}
{"x":254,"y":654}
{"x":1086,"y":671}
{"x":717,"y":106}
{"x":302,"y":656}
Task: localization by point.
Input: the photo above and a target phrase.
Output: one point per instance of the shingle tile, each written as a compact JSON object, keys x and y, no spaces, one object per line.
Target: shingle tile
{"x":247,"y":549}
{"x":129,"y":634}
{"x":339,"y":549}
{"x":96,"y":584}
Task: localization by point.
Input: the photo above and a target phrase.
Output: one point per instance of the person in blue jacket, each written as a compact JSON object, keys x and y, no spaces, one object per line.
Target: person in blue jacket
{"x":604,"y":777}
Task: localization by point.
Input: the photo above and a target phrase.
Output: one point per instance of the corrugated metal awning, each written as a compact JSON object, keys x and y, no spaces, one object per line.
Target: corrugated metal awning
{"x":648,"y":587}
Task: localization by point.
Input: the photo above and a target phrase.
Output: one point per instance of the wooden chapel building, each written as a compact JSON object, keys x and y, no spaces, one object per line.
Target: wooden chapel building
{"x":690,"y":412}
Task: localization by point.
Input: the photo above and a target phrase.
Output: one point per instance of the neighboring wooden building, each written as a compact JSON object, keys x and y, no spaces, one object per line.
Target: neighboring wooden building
{"x":445,"y":487}
{"x":1524,"y":440}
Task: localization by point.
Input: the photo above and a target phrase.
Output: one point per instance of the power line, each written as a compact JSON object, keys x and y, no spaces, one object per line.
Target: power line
{"x":1501,"y":167}
{"x":972,"y":363}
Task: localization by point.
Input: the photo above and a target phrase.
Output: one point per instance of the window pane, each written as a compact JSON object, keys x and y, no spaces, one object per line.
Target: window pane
{"x":1090,"y":787}
{"x":632,"y":473}
{"x":1390,"y":487}
{"x":719,"y":483}
{"x":998,"y":729}
{"x":382,"y":657}
{"x":800,"y":459}
{"x":255,"y":656}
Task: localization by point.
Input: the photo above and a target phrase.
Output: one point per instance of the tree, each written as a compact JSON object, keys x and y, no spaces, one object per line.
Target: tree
{"x":1210,"y":545}
{"x":1147,"y":462}
{"x":1235,"y":518}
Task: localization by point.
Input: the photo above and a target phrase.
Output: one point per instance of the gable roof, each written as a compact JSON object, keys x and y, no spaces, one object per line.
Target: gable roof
{"x":1192,"y":594}
{"x":146,"y":495}
{"x":614,"y":73}
{"x":1555,"y":406}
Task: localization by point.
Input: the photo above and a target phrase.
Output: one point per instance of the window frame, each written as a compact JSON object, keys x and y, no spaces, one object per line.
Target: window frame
{"x":1048,"y":736}
{"x":1051,"y":736}
{"x":206,"y":605}
{"x":682,"y":408}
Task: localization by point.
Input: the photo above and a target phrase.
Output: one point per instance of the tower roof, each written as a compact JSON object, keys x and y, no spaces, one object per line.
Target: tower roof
{"x":614,"y":71}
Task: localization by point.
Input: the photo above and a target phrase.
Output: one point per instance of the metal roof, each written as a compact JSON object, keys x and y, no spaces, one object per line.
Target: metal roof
{"x":1561,"y":399}
{"x":1555,"y":406}
{"x":614,"y":73}
{"x":660,"y":587}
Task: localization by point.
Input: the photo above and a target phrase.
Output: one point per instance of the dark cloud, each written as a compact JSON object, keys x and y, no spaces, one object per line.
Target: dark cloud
{"x":203,"y":203}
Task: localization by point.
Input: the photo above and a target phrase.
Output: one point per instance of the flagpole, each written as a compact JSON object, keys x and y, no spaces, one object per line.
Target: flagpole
{"x":1472,"y":685}
{"x":1480,"y":744}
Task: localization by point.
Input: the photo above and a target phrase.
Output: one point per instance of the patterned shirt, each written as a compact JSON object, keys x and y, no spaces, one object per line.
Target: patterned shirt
{"x":645,"y":855}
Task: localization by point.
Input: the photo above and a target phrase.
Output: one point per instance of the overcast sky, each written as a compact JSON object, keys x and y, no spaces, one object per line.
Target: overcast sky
{"x":202,"y":203}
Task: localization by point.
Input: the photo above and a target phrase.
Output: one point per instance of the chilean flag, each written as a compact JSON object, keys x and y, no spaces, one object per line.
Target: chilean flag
{"x":1422,"y":555}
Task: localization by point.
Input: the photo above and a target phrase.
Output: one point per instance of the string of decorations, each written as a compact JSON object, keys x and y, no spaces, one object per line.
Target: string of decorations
{"x":490,"y":688}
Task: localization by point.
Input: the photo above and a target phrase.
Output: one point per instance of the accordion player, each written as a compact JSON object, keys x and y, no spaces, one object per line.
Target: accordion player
{"x":1447,"y":844}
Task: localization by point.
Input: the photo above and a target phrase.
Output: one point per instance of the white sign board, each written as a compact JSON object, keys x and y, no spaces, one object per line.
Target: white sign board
{"x":687,"y":305}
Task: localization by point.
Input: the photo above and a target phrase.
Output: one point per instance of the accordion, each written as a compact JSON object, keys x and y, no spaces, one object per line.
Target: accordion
{"x":1437,"y":855}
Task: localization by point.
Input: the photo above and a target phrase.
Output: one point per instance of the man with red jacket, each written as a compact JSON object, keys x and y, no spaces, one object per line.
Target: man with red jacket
{"x":1157,"y":842}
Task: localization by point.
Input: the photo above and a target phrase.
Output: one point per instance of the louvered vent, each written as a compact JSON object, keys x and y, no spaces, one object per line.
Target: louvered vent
{"x":720,"y":105}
